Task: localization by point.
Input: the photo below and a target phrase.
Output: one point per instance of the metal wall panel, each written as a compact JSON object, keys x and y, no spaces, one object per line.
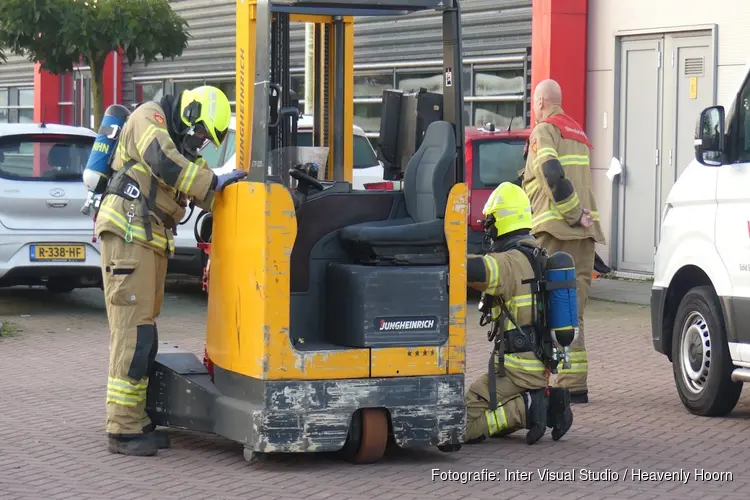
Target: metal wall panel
{"x":490,"y":27}
{"x":18,"y":70}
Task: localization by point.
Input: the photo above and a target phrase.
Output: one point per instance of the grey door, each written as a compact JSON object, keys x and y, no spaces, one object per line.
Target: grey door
{"x":689,"y":87}
{"x":639,"y":142}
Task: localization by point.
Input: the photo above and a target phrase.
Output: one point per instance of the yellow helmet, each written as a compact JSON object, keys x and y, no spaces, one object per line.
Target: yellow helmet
{"x":508,"y":209}
{"x":206,"y":109}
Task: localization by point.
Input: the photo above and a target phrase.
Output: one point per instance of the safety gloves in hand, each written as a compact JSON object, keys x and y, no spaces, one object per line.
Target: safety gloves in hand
{"x":230,"y":178}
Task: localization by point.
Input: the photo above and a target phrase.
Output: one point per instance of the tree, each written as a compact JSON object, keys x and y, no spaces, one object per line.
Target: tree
{"x":60,"y":34}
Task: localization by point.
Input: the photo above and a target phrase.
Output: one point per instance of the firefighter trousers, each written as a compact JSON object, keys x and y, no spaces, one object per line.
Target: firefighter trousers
{"x":134,"y":292}
{"x":510,"y":414}
{"x":583,"y":252}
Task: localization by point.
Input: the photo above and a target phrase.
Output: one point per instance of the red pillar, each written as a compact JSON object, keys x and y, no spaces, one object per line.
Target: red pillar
{"x":46,"y":108}
{"x":112,"y":85}
{"x":46,"y":96}
{"x":559,"y":32}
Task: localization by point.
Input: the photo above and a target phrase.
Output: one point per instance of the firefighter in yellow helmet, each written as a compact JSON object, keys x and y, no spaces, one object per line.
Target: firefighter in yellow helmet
{"x":514,"y":394}
{"x":158,"y":169}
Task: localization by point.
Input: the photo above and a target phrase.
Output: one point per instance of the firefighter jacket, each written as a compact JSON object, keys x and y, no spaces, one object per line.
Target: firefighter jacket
{"x":504,"y":274}
{"x":147,"y":155}
{"x":557,"y":201}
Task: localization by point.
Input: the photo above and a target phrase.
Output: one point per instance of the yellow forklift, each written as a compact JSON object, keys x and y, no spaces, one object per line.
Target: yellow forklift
{"x":336,"y":318}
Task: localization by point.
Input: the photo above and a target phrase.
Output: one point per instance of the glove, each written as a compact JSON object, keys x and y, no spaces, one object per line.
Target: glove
{"x":224,"y":180}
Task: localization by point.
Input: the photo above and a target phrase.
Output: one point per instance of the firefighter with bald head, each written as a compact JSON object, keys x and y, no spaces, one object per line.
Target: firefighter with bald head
{"x":557,"y":179}
{"x":158,"y":169}
{"x":513,"y":394}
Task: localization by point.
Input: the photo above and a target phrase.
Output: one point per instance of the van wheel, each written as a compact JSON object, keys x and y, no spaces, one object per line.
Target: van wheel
{"x":701,"y":363}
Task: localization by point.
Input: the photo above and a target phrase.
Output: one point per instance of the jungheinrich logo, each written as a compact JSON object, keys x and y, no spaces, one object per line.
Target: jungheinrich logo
{"x":411,"y":323}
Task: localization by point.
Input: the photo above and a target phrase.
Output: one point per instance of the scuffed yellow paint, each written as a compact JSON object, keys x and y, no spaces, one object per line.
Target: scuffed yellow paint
{"x":455,"y":233}
{"x":248,"y":330}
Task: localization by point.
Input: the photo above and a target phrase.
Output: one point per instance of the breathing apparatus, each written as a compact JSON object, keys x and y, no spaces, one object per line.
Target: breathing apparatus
{"x":554,"y":307}
{"x":98,"y":169}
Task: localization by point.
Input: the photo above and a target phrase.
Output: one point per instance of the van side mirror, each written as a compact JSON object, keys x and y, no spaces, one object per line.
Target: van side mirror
{"x":709,"y":136}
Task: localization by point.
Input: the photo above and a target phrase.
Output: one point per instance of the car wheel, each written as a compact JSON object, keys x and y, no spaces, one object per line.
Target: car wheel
{"x":701,"y":361}
{"x":59,"y":287}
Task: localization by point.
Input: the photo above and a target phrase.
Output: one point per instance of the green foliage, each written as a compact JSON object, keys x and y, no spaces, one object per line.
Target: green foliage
{"x":61,"y":33}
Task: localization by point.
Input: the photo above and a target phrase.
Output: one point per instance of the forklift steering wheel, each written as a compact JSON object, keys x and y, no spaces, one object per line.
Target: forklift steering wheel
{"x":307,"y":179}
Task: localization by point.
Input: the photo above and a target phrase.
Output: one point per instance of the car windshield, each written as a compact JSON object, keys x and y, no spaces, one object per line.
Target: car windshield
{"x":498,"y":161}
{"x":364,"y":157}
{"x":44,"y":157}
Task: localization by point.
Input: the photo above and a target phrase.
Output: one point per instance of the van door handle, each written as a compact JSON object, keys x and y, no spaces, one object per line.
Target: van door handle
{"x":57,"y":204}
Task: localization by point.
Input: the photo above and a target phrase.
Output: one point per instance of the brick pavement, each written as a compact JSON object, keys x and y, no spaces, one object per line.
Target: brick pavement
{"x":52,"y":446}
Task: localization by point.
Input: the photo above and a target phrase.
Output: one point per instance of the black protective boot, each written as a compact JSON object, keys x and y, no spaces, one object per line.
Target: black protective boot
{"x":138,"y":446}
{"x":536,"y":415}
{"x":579,"y":398}
{"x":559,"y":416}
{"x":162,"y":438}
{"x":476,"y":440}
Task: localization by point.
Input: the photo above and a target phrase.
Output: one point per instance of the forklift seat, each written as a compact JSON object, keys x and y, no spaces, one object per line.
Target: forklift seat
{"x":418,"y":238}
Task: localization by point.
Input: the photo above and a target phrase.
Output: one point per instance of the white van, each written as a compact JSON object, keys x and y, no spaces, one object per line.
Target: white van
{"x":189,"y":259}
{"x":700,"y":300}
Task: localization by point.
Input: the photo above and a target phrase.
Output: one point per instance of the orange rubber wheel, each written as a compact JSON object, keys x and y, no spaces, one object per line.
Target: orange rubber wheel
{"x":368,"y":436}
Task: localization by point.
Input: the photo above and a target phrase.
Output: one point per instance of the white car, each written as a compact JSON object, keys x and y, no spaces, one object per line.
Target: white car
{"x":189,"y":259}
{"x":700,"y":300}
{"x":44,"y":237}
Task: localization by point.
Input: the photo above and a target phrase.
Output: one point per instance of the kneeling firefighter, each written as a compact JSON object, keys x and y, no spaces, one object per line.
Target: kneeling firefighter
{"x":529,"y":300}
{"x":156,"y":168}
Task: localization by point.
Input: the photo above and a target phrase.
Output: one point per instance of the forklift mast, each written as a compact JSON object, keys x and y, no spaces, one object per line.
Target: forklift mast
{"x":267,"y":120}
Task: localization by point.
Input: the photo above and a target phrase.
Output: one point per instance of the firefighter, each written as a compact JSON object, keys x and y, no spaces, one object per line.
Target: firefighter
{"x":512,"y":395}
{"x":157,"y":169}
{"x":557,"y":180}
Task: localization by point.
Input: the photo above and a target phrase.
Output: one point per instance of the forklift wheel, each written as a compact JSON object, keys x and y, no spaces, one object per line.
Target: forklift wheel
{"x":368,"y":436}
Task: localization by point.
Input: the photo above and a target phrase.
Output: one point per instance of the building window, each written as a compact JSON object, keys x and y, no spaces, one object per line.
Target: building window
{"x":372,"y":85}
{"x":67,"y":104}
{"x":186,"y":85}
{"x":26,"y":105}
{"x":498,"y":82}
{"x":3,"y":105}
{"x":150,"y":91}
{"x":412,"y":82}
{"x":500,"y":114}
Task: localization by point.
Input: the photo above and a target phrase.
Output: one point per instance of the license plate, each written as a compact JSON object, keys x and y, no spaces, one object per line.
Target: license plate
{"x":57,"y":253}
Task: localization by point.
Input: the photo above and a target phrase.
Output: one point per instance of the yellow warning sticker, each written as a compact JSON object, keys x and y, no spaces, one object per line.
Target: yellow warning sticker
{"x":694,"y":87}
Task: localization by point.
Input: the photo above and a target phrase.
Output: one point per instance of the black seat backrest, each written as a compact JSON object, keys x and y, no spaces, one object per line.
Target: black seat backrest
{"x":429,"y":173}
